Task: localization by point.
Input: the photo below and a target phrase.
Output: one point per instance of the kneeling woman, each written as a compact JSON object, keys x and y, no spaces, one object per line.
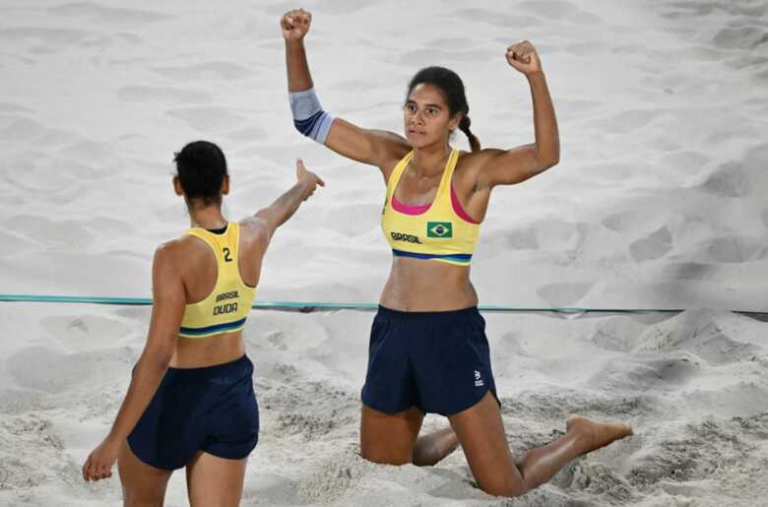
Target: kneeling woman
{"x":191,"y":401}
{"x":428,"y":352}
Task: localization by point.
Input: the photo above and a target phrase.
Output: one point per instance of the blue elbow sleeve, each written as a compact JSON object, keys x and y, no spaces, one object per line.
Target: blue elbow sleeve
{"x":316,"y":126}
{"x":308,"y":116}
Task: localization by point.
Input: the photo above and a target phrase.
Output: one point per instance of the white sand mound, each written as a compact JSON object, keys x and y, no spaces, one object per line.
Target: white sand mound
{"x":693,"y":385}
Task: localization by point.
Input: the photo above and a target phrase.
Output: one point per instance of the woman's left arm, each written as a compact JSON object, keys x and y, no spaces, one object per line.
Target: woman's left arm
{"x":499,"y":167}
{"x":168,"y":302}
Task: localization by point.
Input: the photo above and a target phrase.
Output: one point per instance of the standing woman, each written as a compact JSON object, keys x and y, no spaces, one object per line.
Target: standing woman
{"x":428,"y":351}
{"x":191,"y":401}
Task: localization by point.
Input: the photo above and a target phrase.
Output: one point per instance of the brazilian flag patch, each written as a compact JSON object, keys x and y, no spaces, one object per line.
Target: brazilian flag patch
{"x":439,"y":230}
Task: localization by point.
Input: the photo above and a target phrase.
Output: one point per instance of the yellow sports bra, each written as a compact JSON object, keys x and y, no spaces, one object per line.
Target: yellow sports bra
{"x":441,"y":231}
{"x":227,"y":306}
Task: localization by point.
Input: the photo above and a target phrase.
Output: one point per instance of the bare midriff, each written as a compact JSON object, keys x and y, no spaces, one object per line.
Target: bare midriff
{"x":202,"y":352}
{"x":417,"y":285}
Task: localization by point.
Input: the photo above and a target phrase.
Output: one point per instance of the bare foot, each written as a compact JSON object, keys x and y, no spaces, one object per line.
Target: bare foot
{"x":597,"y":434}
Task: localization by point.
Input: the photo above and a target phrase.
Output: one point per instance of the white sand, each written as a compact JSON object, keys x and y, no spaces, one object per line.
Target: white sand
{"x":659,"y":201}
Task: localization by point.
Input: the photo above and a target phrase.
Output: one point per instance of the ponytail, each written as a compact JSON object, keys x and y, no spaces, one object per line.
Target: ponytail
{"x":464,"y":125}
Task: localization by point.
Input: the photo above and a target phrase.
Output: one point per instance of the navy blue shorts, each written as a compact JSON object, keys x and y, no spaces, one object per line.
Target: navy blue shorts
{"x":438,"y":362}
{"x":212,"y":409}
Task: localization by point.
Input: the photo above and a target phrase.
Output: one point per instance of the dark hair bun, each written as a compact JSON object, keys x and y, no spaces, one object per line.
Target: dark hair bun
{"x":201,"y":168}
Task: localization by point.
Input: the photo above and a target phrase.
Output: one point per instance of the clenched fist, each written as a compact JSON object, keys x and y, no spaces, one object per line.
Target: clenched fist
{"x":523,"y":57}
{"x":295,"y":25}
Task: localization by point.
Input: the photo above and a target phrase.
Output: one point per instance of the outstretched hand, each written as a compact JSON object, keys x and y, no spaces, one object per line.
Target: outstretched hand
{"x":524,"y":58}
{"x":308,"y":178}
{"x":295,"y":25}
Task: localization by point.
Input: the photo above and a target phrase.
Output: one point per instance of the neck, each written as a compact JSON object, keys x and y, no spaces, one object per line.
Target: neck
{"x":430,"y":160}
{"x":207,"y":217}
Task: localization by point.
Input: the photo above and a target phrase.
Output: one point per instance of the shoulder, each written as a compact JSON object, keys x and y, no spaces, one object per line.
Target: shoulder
{"x":171,"y":250}
{"x":396,"y":149}
{"x":254,"y":232}
{"x":386,"y":144}
{"x":472,"y":162}
{"x":181,"y":251}
{"x":253,"y":226}
{"x":169,"y":263}
{"x":400,"y":150}
{"x":170,"y":256}
{"x":472,"y":167}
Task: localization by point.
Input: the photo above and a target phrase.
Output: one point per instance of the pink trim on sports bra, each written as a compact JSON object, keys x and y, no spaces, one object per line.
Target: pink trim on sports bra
{"x":420,"y":209}
{"x":459,"y":209}
{"x":409,"y":209}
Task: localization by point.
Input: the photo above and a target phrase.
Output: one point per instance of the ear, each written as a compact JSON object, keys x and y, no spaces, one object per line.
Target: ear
{"x":453,"y":123}
{"x":177,"y":186}
{"x":225,"y":185}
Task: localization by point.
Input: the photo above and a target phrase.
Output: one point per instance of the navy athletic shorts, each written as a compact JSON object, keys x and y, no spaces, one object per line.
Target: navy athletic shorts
{"x":212,"y":409}
{"x":438,"y":362}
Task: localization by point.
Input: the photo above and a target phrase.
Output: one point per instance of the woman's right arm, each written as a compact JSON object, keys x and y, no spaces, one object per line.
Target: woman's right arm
{"x":168,"y":302}
{"x":265,"y":222}
{"x":277,"y":213}
{"x":373,"y":147}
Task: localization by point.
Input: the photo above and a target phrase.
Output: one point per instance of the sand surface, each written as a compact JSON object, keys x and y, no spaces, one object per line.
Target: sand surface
{"x":658,"y":202}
